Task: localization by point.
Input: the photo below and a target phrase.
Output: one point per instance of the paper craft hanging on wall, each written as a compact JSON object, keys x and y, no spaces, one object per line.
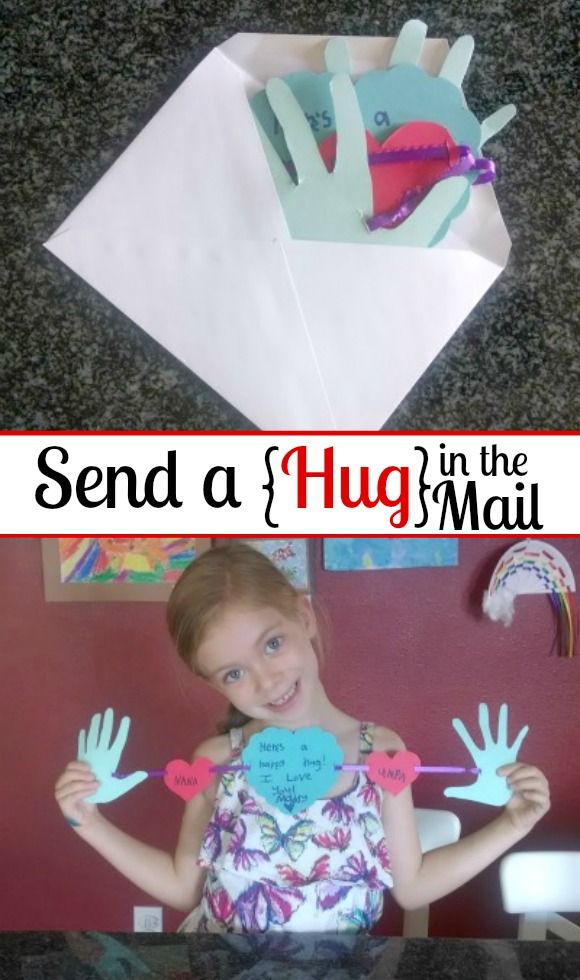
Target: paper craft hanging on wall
{"x":534,"y":567}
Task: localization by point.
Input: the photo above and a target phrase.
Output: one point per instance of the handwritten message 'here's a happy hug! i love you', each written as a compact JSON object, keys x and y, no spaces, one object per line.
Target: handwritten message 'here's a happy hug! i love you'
{"x":293,"y":769}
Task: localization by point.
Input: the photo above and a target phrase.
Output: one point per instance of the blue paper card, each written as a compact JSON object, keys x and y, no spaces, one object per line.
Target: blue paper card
{"x":292,"y":769}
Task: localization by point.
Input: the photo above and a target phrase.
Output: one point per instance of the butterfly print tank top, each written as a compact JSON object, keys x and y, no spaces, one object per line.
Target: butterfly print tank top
{"x":323,"y":869}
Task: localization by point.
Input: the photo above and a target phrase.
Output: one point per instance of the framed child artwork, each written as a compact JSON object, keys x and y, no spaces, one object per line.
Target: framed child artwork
{"x":290,"y":555}
{"x":115,"y":569}
{"x":367,"y":554}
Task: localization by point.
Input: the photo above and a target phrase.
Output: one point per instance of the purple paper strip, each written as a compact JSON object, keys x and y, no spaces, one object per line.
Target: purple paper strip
{"x":235,"y":767}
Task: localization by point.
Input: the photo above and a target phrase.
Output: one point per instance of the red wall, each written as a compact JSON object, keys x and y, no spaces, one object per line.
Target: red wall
{"x":409,"y":649}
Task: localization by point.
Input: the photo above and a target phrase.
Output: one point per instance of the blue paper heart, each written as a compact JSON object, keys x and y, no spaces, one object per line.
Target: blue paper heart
{"x":292,"y":769}
{"x":390,"y":98}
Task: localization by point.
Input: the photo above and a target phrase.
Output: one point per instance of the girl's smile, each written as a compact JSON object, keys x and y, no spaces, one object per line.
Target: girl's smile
{"x":263,"y":661}
{"x":287,"y":700}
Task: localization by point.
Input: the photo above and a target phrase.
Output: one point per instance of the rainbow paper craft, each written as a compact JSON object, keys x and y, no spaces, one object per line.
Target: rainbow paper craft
{"x":535,"y":567}
{"x":193,"y":238}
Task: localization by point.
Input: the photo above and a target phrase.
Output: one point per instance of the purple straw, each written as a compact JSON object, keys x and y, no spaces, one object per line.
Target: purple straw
{"x":346,"y":767}
{"x":466,"y":164}
{"x":357,"y":767}
{"x":233,"y":768}
{"x":409,"y":153}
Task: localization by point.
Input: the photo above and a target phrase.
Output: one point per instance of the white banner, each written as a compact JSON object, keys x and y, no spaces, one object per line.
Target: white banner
{"x":290,"y":484}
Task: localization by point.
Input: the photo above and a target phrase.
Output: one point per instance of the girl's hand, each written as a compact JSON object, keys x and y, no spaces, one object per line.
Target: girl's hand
{"x":76,"y":783}
{"x":530,"y":798}
{"x":102,"y":753}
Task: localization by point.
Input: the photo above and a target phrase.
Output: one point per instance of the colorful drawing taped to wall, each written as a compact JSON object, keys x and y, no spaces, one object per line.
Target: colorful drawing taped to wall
{"x":290,"y":555}
{"x":115,"y":569}
{"x":130,"y":560}
{"x":531,"y":567}
{"x":358,"y":554}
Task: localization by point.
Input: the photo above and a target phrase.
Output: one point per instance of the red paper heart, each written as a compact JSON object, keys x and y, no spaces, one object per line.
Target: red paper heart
{"x":394,"y":772}
{"x":391,"y":181}
{"x":188,"y":780}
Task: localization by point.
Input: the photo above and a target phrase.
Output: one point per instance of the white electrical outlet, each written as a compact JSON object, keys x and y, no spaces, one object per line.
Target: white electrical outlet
{"x":147,"y":918}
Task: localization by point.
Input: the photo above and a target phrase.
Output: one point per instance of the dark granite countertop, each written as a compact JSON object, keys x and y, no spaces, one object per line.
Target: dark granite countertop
{"x":82,"y":79}
{"x":286,"y":956}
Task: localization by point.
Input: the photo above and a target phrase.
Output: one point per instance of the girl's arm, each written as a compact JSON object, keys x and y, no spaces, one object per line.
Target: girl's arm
{"x":419,"y":879}
{"x":175,"y":880}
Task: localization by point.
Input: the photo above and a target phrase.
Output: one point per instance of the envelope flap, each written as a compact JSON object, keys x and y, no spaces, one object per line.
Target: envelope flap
{"x":480,"y":229}
{"x":198,"y":163}
{"x":265,"y":56}
{"x":186,"y":235}
{"x":377,"y":318}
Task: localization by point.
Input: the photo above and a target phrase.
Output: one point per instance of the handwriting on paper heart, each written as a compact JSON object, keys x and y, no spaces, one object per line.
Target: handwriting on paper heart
{"x":188,"y":779}
{"x":391,"y":181}
{"x":393,"y":772}
{"x":292,"y":769}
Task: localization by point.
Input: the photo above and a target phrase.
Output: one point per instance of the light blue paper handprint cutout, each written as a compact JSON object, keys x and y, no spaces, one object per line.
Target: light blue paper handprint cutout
{"x":332,"y":207}
{"x":103,"y":755}
{"x":404,"y":92}
{"x":387,"y":99}
{"x":398,"y":93}
{"x":488,"y":787}
{"x":312,"y":92}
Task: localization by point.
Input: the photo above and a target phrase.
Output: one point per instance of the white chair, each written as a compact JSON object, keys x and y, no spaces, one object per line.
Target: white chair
{"x":535,"y":884}
{"x":436,"y":828}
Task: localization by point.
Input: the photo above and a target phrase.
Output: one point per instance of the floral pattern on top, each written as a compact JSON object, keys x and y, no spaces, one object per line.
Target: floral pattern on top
{"x":321,"y":870}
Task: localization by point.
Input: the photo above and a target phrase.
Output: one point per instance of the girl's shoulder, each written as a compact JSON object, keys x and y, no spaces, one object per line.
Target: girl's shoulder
{"x":386,"y":740}
{"x":216,"y":747}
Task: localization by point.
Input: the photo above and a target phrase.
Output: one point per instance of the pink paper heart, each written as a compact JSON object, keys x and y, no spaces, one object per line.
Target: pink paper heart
{"x":187,"y":780}
{"x":391,"y":181}
{"x":394,"y":772}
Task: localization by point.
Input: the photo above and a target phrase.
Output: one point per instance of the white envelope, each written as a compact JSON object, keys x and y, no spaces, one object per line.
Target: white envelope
{"x":185,"y":235}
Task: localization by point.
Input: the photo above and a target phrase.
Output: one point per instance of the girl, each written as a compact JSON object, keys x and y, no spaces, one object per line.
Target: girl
{"x":240,"y":863}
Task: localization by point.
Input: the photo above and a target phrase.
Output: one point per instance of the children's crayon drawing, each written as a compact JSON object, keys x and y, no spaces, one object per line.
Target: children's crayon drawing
{"x":132,"y":560}
{"x":290,"y":555}
{"x":359,"y":554}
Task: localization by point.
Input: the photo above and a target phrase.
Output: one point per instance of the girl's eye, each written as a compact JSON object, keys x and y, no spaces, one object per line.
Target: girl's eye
{"x":232,"y":676}
{"x":274,"y":644}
